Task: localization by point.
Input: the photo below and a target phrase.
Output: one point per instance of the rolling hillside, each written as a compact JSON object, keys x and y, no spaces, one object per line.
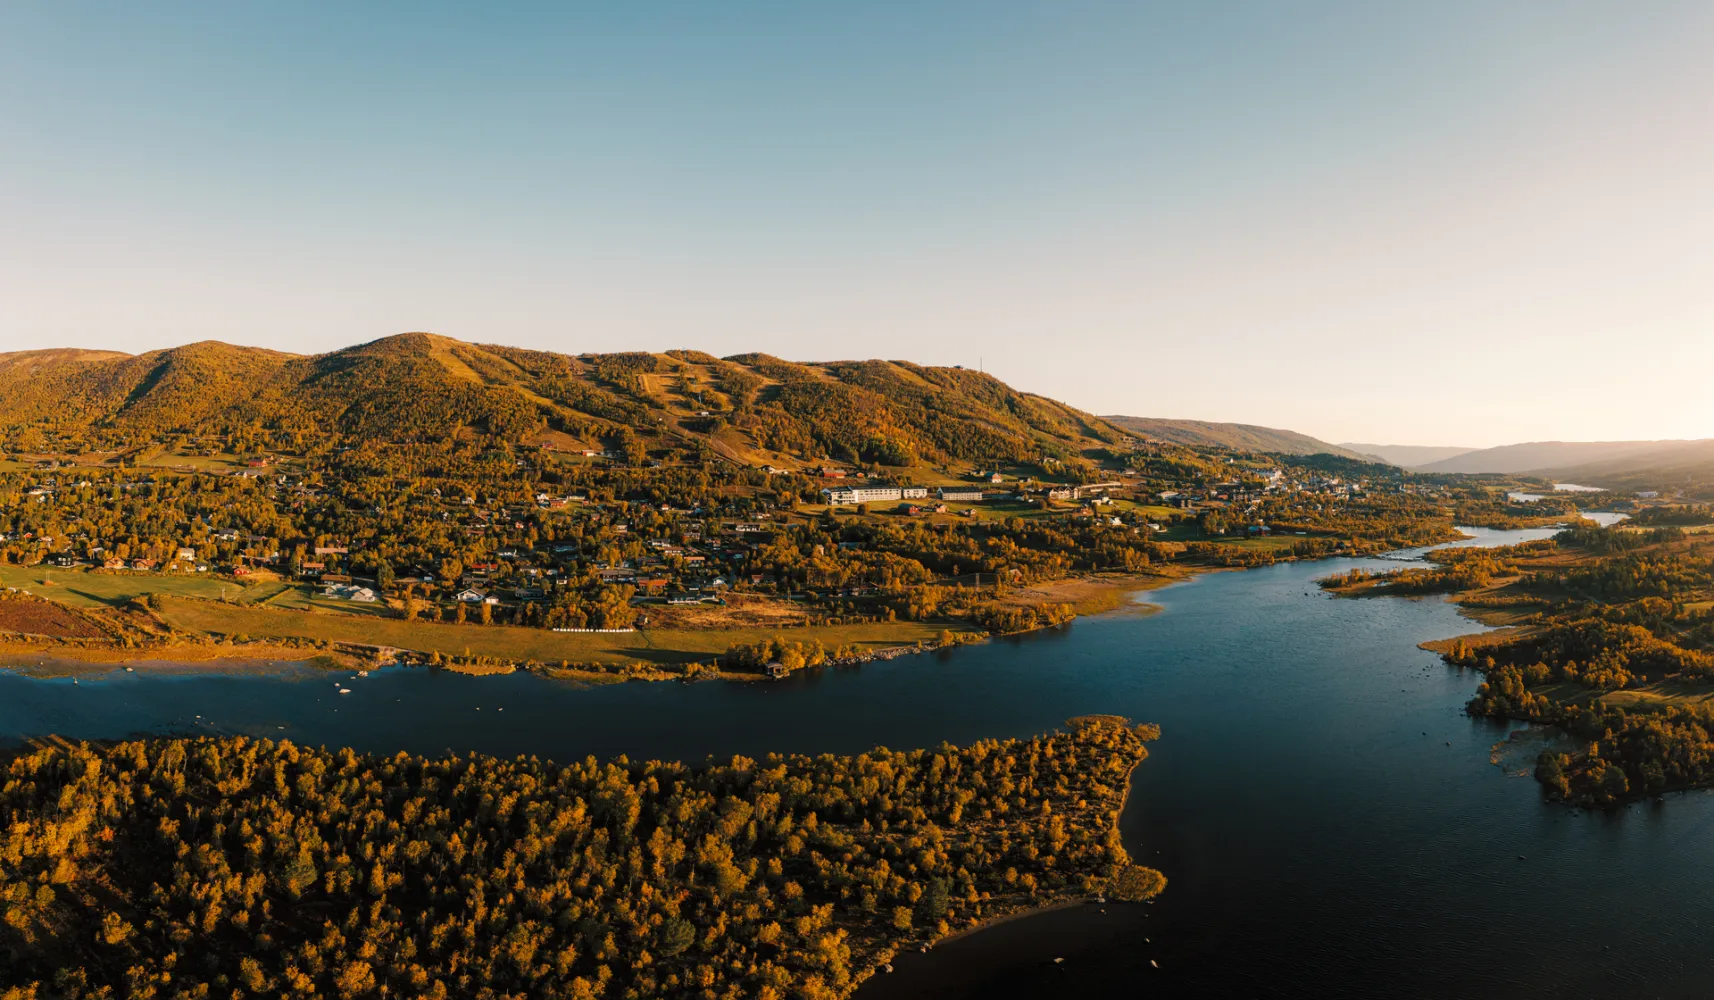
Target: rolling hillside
{"x":1246,"y":437}
{"x":421,"y":388}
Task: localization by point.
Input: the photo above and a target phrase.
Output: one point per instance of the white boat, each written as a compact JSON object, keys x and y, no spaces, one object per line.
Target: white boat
{"x":344,"y":690}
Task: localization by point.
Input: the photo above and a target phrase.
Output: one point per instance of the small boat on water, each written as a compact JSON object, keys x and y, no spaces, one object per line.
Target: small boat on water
{"x":344,"y":690}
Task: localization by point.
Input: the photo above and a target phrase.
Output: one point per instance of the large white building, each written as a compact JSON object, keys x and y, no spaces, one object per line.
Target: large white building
{"x":873,"y":494}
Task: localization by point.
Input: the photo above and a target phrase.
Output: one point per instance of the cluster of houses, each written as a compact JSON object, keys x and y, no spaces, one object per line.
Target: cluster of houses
{"x":706,"y":552}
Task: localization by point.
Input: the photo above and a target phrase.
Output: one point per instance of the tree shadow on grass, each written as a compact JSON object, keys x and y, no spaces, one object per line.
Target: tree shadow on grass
{"x":104,"y":601}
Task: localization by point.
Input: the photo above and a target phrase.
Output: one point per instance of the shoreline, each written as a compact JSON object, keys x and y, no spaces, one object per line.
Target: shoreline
{"x":1089,"y":595}
{"x":883,"y":967}
{"x":1055,"y":906}
{"x":1124,"y":801}
{"x":20,"y":652}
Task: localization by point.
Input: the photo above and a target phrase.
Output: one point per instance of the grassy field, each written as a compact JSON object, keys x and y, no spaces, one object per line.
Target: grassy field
{"x":1152,"y":511}
{"x":1264,"y":542}
{"x":223,"y":463}
{"x":306,"y":597}
{"x":1655,"y":696}
{"x":1093,"y":595}
{"x":83,"y":589}
{"x":265,"y":593}
{"x":656,"y":646}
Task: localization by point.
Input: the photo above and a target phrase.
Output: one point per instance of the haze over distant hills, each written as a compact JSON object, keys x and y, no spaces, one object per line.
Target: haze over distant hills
{"x":1674,"y":461}
{"x":1408,"y":456}
{"x":1540,"y":456}
{"x":1249,"y":437}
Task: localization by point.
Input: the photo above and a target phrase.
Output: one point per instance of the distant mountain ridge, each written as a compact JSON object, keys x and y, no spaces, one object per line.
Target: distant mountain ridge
{"x":1246,"y":437}
{"x":1408,"y":456}
{"x":420,"y":388}
{"x":1677,"y":462}
{"x":1541,"y":456}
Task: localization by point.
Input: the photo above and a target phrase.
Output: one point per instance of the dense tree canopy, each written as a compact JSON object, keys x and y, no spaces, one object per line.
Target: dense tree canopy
{"x":233,"y":867}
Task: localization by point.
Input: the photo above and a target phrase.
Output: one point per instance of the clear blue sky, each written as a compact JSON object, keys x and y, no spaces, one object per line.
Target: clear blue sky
{"x":1439,"y":223}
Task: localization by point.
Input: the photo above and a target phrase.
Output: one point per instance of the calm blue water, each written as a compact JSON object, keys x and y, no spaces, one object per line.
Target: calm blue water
{"x":1328,"y":818}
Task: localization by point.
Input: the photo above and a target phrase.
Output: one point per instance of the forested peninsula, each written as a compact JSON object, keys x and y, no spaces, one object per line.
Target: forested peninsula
{"x":1608,"y":634}
{"x":236,"y":868}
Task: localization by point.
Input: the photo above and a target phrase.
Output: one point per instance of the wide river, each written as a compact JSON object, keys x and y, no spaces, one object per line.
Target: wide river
{"x":1329,"y":819}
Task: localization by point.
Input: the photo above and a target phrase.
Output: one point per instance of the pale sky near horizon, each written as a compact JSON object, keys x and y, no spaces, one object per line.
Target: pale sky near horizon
{"x":1469,"y":222}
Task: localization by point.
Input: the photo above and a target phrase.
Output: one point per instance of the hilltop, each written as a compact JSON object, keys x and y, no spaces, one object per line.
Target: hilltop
{"x":1239,"y":437}
{"x":417,"y":387}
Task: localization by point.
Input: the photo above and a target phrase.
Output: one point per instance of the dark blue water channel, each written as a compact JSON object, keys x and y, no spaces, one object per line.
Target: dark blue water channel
{"x":1329,"y":820}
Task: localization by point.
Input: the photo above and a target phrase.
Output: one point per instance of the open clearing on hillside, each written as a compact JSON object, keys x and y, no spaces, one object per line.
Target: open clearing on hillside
{"x":1660,"y":695}
{"x":507,"y":642}
{"x":82,"y":588}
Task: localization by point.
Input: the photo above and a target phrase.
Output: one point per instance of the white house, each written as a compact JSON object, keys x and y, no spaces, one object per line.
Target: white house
{"x":349,"y":592}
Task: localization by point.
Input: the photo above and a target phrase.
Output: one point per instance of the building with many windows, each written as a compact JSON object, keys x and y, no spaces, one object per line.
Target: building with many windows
{"x":873,"y":494}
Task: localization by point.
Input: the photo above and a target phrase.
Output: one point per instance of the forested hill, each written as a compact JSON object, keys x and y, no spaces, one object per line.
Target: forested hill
{"x":422,"y":388}
{"x":1241,"y":437}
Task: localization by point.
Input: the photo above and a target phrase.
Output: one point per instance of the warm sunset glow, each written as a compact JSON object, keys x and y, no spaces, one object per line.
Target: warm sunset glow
{"x":1305,"y":217}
